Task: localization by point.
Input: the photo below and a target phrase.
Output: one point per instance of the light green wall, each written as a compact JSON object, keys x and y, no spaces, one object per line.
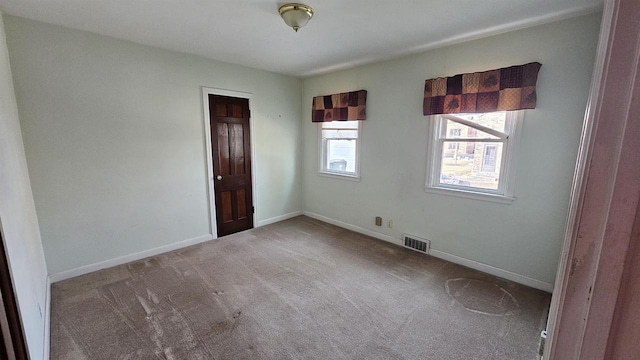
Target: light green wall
{"x":524,"y":237}
{"x":115,"y":145}
{"x":19,"y":226}
{"x":114,"y":140}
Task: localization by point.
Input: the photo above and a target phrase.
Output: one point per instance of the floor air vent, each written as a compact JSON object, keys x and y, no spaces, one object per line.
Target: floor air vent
{"x":416,"y":243}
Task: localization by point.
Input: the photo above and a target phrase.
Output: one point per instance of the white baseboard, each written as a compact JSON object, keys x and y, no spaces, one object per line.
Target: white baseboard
{"x":505,"y":274}
{"x":85,"y":269}
{"x":279,"y":218}
{"x":357,"y":229}
{"x":47,"y":321}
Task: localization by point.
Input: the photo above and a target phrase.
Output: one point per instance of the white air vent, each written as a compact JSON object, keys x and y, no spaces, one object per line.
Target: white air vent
{"x":416,"y":243}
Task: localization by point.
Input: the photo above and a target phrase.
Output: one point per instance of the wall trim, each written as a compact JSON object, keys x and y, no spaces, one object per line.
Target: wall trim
{"x":85,"y":269}
{"x":279,"y":218}
{"x":206,"y":119}
{"x":47,"y":321}
{"x":492,"y":270}
{"x":589,"y":316}
{"x":578,"y":185}
{"x":354,"y":228}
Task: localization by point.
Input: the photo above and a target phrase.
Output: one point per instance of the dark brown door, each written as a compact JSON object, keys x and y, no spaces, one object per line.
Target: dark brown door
{"x":231,"y":154}
{"x":12,"y":342}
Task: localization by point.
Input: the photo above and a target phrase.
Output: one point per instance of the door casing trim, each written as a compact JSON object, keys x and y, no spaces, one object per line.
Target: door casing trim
{"x":206,"y":91}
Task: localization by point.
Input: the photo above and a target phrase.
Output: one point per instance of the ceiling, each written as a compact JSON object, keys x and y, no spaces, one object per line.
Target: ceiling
{"x":342,"y":34}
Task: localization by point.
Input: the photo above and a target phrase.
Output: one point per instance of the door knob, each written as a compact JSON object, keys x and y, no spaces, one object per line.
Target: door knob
{"x":219,"y":177}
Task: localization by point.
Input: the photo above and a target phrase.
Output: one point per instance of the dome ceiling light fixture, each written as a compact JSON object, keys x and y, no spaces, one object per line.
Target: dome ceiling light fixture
{"x":296,"y":15}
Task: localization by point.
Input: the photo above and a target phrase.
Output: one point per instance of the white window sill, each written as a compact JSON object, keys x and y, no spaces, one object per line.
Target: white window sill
{"x":502,"y":199}
{"x":339,"y":176}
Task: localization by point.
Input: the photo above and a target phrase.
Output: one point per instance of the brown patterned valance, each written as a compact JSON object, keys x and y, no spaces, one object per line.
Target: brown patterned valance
{"x":510,"y":88}
{"x":340,"y":107}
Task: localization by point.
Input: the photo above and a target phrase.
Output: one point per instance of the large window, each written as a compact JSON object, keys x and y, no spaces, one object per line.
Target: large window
{"x":474,"y":155}
{"x":339,"y":148}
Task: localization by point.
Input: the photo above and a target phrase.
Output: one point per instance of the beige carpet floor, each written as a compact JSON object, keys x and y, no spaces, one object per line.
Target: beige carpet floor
{"x":298,"y":289}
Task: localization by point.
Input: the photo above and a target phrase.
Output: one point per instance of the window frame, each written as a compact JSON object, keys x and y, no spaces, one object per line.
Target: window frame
{"x":322,"y":153}
{"x":505,"y":192}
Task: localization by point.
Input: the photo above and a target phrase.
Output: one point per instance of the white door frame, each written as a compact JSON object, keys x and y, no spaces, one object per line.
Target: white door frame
{"x":206,"y":91}
{"x":589,"y":298}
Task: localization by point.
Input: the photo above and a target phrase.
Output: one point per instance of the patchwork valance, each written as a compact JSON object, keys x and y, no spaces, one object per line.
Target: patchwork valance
{"x":340,"y":107}
{"x":510,"y":88}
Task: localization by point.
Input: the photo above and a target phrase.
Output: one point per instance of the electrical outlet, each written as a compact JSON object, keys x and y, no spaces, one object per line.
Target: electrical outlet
{"x":390,"y":224}
{"x":378,"y":221}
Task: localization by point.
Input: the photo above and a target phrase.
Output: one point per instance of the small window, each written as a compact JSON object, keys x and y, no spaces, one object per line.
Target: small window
{"x":339,"y":148}
{"x":474,"y":155}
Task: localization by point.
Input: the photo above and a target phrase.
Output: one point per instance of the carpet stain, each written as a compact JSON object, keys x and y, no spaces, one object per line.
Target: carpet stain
{"x":482,"y":297}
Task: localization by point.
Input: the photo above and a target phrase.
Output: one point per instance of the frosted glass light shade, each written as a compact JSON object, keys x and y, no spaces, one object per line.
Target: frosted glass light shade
{"x":296,"y":15}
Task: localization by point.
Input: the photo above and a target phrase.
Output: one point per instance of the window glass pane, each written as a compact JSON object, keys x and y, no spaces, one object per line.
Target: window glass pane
{"x":458,"y":131}
{"x":339,"y":134}
{"x":340,"y":124}
{"x":341,"y":156}
{"x":493,"y":120}
{"x":472,"y":164}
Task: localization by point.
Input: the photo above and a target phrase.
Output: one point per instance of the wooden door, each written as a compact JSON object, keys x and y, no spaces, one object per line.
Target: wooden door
{"x":231,"y":154}
{"x":12,"y":341}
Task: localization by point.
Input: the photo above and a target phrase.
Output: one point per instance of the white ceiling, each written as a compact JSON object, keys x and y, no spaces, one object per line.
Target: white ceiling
{"x":342,"y":34}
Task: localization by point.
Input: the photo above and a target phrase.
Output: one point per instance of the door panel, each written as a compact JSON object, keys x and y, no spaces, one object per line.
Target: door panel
{"x":223,"y":149}
{"x":231,"y":154}
{"x":227,"y":207}
{"x":237,"y":148}
{"x":242,"y":204}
